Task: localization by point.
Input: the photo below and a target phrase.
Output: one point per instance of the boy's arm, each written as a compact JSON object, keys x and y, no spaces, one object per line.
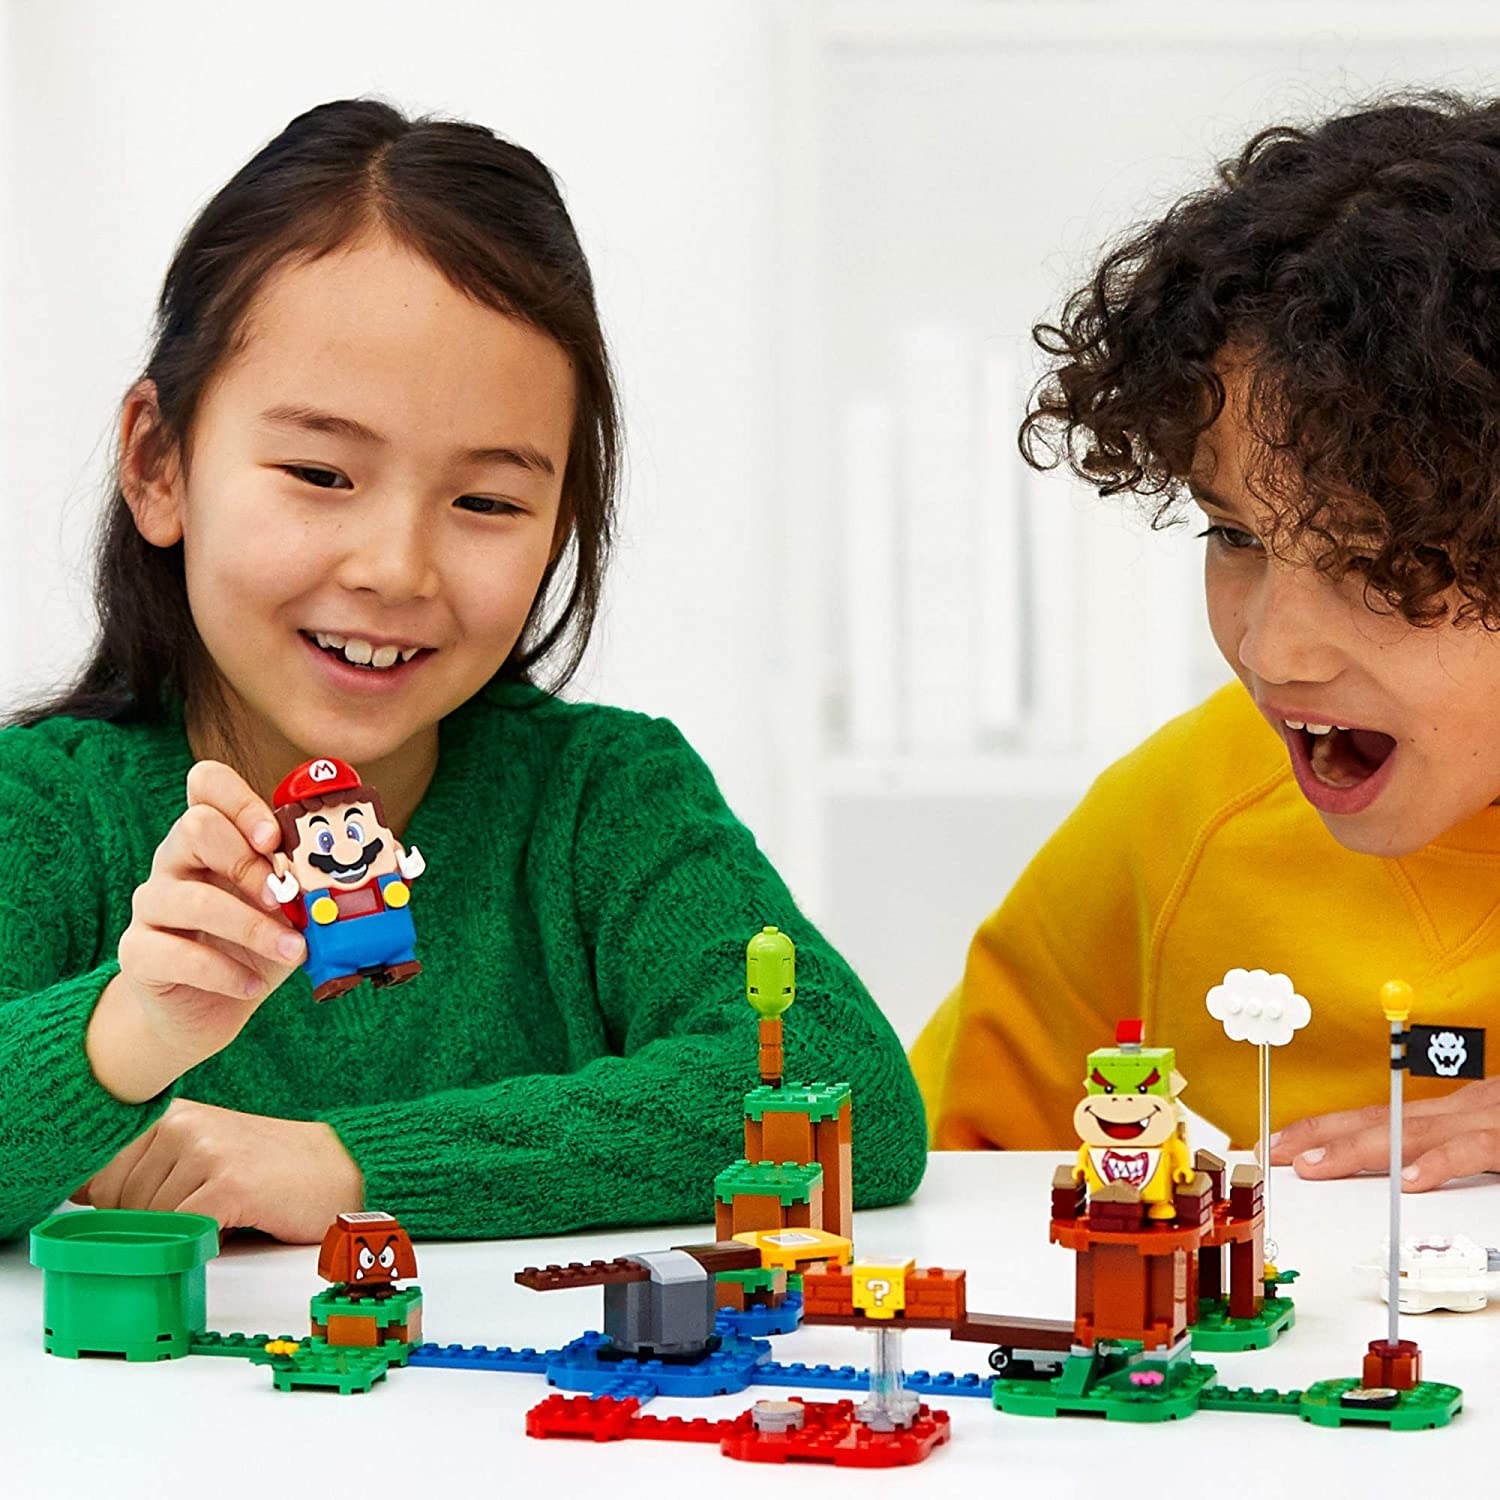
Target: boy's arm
{"x":57,"y":1124}
{"x":668,"y":888}
{"x":1001,"y":1062}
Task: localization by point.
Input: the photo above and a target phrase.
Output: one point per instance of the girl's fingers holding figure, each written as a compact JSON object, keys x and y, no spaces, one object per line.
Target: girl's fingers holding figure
{"x":190,"y":906}
{"x":161,"y":961}
{"x":205,"y":838}
{"x":212,"y":783}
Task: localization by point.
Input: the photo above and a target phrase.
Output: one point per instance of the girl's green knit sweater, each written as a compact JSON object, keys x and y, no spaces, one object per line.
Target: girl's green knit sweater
{"x":578,"y":1045}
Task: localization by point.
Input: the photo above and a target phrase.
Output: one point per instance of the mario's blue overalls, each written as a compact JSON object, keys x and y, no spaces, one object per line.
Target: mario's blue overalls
{"x":342,"y":942}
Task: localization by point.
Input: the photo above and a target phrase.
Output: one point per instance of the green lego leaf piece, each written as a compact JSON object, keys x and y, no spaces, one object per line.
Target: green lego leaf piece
{"x":818,"y":1101}
{"x":1427,"y":1404}
{"x":791,"y":1181}
{"x":1216,"y":1332}
{"x":1118,"y":1387}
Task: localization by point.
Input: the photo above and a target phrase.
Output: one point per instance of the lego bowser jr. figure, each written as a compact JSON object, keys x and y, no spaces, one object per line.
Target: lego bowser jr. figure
{"x":366,"y":1253}
{"x":341,"y":878}
{"x":1130,"y":1123}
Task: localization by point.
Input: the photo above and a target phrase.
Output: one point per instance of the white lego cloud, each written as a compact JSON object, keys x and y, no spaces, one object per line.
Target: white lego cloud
{"x":1258,"y":1007}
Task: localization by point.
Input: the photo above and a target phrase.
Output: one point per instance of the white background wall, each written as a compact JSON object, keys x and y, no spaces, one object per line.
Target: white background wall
{"x":690,"y":136}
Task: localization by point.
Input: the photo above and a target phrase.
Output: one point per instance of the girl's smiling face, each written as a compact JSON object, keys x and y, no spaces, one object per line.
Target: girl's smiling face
{"x":370,"y":497}
{"x":1391,"y":727}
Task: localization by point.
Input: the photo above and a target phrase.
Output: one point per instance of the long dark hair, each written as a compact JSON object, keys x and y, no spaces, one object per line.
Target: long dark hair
{"x":485,"y":213}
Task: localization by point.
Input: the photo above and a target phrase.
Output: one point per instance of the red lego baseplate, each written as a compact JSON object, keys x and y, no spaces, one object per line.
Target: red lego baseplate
{"x":829,"y":1432}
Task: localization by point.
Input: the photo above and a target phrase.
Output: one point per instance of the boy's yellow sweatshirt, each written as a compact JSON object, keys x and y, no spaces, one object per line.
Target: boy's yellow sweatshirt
{"x":1193,"y":855}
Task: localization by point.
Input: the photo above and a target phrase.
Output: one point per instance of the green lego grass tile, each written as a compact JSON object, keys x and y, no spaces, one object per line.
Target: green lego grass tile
{"x":237,"y":1345}
{"x":1216,"y":1332}
{"x":818,"y":1101}
{"x":761,"y":1280}
{"x":317,"y":1366}
{"x":1428,"y":1404}
{"x":790,"y":1181}
{"x":1143,"y":1390}
{"x":1243,"y":1398}
{"x":382,"y":1311}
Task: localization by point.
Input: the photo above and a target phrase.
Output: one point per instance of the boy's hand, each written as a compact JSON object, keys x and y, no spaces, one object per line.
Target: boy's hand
{"x":289,"y":1178}
{"x":1455,"y":1136}
{"x":205,"y":945}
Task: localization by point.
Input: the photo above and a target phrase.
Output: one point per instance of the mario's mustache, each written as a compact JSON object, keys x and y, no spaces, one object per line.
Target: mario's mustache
{"x":369,"y":853}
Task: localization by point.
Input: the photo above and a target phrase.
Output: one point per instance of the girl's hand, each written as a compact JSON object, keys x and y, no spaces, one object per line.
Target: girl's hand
{"x":205,"y":945}
{"x":1455,"y":1136}
{"x":289,"y":1178}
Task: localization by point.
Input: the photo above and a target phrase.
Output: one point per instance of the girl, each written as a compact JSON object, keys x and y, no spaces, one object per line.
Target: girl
{"x":1309,"y":351}
{"x":364,"y":495}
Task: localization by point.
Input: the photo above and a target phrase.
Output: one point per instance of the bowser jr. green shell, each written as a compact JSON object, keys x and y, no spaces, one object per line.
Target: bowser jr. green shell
{"x":770,"y":972}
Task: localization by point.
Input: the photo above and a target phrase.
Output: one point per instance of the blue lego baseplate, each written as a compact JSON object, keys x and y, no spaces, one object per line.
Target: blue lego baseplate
{"x":761,"y":1322}
{"x":731,"y":1368}
{"x":479,"y":1357}
{"x":847,"y":1378}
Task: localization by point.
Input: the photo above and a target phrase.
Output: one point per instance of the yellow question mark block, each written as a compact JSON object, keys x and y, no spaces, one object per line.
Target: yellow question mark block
{"x":879,"y":1291}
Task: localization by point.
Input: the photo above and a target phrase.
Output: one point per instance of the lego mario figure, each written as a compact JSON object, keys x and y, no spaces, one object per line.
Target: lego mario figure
{"x":341,"y":878}
{"x":1129,"y":1122}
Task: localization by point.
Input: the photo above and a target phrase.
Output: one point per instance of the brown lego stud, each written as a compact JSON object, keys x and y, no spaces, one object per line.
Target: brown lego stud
{"x":1117,"y":1207}
{"x":1397,"y":1365}
{"x":1069,"y":1195}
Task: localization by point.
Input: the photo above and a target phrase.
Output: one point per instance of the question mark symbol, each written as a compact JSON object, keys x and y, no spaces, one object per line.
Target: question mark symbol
{"x":879,"y":1290}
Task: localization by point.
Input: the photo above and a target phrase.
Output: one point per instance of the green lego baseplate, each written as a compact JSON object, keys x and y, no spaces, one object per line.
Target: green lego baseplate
{"x":237,"y":1345}
{"x":1216,"y":1332}
{"x":1121,"y":1386}
{"x":789,"y":1181}
{"x":350,"y":1372}
{"x":1427,"y":1404}
{"x":818,"y":1101}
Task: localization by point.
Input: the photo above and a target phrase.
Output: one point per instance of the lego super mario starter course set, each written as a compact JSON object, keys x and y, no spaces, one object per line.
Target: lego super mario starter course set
{"x":1171,"y":1261}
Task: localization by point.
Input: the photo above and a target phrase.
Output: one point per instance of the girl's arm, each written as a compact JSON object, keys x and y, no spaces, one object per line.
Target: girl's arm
{"x":668,"y":888}
{"x":57,"y":1123}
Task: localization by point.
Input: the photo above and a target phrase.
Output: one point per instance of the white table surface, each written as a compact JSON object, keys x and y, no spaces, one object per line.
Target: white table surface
{"x":215,"y":1427}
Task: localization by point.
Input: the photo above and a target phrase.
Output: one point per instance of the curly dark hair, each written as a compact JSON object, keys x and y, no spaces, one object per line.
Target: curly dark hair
{"x":1355,"y":265}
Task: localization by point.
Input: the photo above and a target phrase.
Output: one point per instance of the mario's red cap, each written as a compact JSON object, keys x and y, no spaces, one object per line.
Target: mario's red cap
{"x":316,"y":778}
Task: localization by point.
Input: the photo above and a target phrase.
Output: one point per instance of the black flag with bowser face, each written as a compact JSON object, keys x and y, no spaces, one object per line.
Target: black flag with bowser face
{"x":1445,"y":1051}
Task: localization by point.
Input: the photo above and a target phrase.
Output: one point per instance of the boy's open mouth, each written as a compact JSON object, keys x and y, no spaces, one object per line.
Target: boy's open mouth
{"x":1341,"y":769}
{"x":1344,"y":757}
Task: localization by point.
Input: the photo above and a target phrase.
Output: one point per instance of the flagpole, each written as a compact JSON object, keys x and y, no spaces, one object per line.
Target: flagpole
{"x":1395,"y":999}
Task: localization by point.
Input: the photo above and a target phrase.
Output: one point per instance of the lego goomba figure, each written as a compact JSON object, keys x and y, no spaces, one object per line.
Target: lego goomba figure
{"x":1129,"y":1122}
{"x":366,"y":1253}
{"x":341,"y":877}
